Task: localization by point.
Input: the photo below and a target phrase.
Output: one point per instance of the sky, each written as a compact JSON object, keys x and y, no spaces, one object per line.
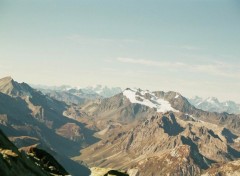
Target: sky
{"x":188,"y":46}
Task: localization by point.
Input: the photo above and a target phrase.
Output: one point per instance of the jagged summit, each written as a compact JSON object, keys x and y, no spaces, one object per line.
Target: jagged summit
{"x":10,"y":87}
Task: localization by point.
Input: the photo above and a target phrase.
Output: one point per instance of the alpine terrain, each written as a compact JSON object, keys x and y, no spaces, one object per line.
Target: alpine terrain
{"x":79,"y":95}
{"x":135,"y":132}
{"x":161,"y":133}
{"x":30,"y":118}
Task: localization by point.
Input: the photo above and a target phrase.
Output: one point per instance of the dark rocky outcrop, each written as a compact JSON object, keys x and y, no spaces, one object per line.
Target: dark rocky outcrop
{"x":13,"y":163}
{"x":46,"y":161}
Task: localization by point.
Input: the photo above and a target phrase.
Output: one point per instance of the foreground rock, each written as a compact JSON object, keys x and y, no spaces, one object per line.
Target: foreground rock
{"x":95,"y":171}
{"x":13,"y":162}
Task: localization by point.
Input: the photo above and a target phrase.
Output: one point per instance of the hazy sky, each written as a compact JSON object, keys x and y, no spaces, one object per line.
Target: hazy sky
{"x":189,"y":46}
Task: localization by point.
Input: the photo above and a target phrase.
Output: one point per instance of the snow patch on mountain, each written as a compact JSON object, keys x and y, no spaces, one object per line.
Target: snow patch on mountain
{"x":149,"y":99}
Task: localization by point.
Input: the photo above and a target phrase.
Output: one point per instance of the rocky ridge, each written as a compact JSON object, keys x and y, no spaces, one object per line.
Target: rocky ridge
{"x":168,"y":130}
{"x":164,"y":140}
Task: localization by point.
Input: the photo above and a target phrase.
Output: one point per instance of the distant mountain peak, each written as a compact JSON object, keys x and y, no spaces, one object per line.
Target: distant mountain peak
{"x":101,"y":90}
{"x":212,"y":104}
{"x":7,"y":78}
{"x":212,"y":100}
{"x":10,"y":87}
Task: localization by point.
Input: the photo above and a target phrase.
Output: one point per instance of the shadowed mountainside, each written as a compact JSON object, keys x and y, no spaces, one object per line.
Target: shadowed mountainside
{"x":13,"y":162}
{"x":27,"y":114}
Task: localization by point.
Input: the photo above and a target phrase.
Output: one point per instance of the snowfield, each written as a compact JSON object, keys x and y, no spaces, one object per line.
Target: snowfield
{"x":137,"y":96}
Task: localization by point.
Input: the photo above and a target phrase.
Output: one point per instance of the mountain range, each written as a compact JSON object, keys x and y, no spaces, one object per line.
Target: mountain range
{"x":29,"y":118}
{"x":212,"y":104}
{"x":134,"y":132}
{"x":159,"y":133}
{"x":76,"y":95}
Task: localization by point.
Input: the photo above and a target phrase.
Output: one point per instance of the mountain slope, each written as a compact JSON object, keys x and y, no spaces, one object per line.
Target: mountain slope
{"x":10,"y":87}
{"x":226,"y":169}
{"x":140,"y":130}
{"x":144,"y":130}
{"x":163,"y":140}
{"x":26,"y":113}
{"x":136,"y":104}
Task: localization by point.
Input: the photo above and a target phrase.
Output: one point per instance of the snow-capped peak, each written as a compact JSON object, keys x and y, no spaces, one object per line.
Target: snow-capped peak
{"x":147,"y":98}
{"x":103,"y":91}
{"x":212,"y":100}
{"x":212,"y":104}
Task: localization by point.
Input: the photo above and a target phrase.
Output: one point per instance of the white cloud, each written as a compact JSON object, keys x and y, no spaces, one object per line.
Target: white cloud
{"x":213,"y":68}
{"x":150,"y":62}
